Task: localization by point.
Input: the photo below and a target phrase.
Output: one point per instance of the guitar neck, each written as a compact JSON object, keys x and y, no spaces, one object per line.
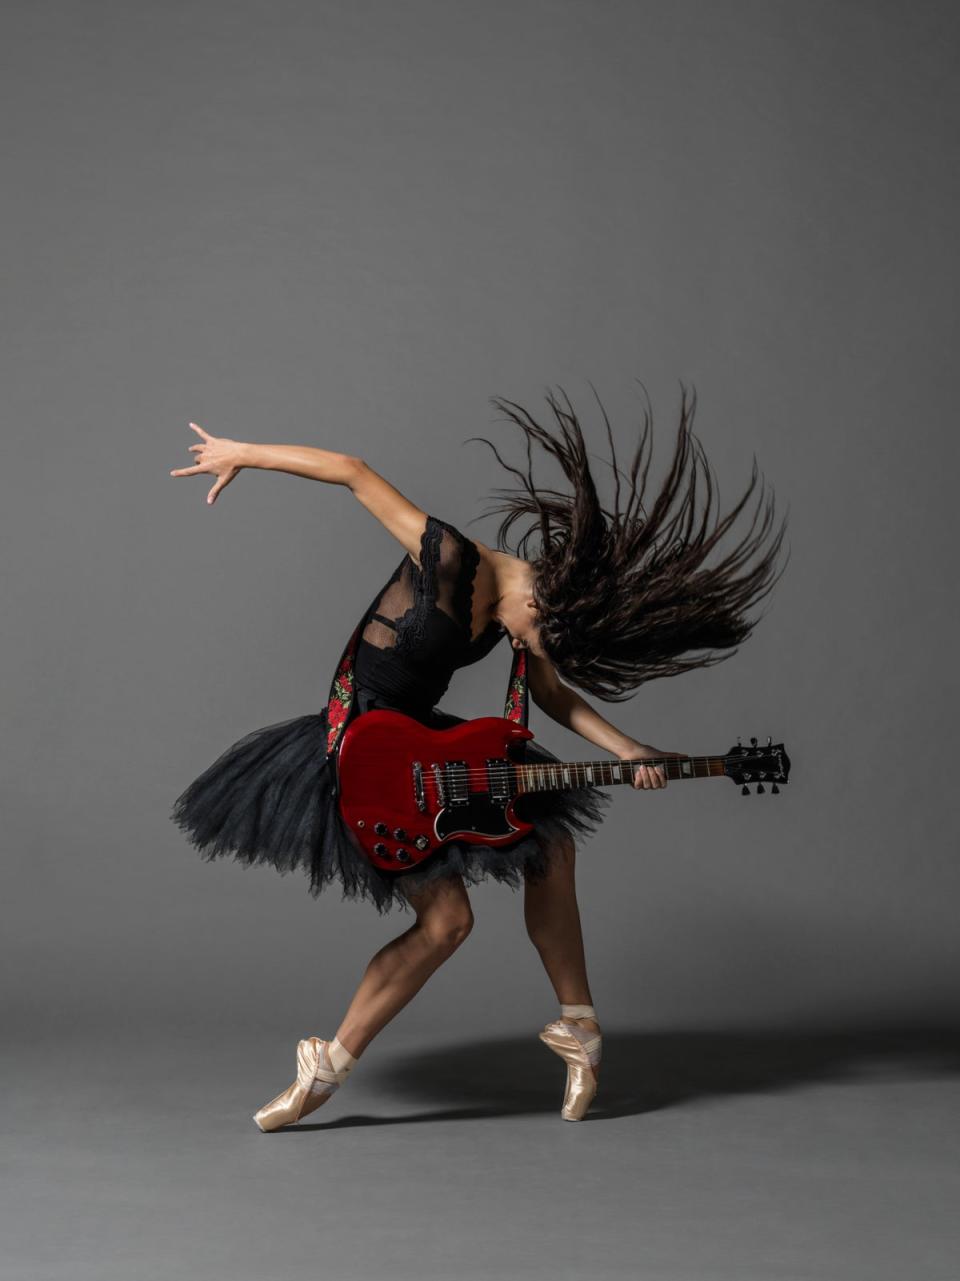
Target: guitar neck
{"x":559,"y":776}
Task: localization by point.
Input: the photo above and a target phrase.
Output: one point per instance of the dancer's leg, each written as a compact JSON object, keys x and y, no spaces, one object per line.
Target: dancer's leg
{"x":400,"y":969}
{"x":553,"y":923}
{"x":393,"y":977}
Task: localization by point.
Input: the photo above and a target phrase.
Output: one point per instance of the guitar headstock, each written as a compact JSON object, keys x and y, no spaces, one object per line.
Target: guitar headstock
{"x":759,"y":765}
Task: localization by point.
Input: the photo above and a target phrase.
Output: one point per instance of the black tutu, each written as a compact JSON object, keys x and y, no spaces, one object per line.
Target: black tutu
{"x":270,"y":799}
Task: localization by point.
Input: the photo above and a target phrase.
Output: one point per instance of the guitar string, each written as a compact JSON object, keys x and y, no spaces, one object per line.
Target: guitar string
{"x":450,"y":783}
{"x":482,"y":773}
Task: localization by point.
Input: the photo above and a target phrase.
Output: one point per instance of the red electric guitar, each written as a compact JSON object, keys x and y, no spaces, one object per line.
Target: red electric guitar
{"x":405,"y":789}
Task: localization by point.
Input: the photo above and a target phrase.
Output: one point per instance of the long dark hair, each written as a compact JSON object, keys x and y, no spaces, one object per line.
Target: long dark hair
{"x":622,"y":594}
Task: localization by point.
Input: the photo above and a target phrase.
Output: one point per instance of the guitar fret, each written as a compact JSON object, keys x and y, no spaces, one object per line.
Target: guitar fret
{"x":550,"y":776}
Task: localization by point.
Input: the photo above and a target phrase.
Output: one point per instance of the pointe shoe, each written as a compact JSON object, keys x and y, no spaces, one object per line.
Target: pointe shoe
{"x":316,"y":1081}
{"x":579,"y":1047}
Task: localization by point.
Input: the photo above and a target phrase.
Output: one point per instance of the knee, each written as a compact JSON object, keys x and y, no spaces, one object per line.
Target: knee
{"x":445,"y":932}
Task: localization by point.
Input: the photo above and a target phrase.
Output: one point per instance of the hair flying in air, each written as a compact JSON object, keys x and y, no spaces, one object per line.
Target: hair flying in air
{"x":625,"y":595}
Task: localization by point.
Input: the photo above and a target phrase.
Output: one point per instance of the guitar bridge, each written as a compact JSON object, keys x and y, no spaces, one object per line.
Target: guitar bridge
{"x":438,"y":781}
{"x":419,"y":795}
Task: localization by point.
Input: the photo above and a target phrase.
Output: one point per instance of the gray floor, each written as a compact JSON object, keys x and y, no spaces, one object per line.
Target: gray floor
{"x":714,"y":1155}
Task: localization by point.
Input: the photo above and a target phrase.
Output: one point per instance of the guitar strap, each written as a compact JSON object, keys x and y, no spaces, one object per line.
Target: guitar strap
{"x":341,"y":704}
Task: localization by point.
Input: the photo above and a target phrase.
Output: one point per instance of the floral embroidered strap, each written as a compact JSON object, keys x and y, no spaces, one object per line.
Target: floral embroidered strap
{"x":343,"y":688}
{"x":517,"y":694}
{"x":341,"y":694}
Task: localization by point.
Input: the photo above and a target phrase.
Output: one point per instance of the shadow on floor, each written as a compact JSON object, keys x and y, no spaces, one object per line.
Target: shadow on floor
{"x":647,"y":1071}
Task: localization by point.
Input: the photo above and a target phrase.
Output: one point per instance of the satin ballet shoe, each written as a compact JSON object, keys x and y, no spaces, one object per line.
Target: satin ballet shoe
{"x":579,"y":1048}
{"x":316,"y":1081}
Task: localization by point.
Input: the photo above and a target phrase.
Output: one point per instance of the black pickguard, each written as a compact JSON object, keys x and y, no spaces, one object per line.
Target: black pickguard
{"x":479,"y":815}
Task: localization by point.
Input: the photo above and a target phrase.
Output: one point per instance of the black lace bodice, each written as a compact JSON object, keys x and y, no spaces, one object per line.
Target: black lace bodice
{"x":419,"y":632}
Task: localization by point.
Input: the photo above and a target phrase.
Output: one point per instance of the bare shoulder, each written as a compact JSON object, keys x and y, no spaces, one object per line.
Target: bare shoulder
{"x":485,"y":579}
{"x":490,"y":557}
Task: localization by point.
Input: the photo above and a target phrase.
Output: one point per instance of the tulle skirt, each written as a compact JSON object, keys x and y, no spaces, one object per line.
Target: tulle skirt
{"x":270,"y":798}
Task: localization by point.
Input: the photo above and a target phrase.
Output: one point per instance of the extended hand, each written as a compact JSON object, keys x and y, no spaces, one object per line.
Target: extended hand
{"x":648,"y":775}
{"x":215,"y":454}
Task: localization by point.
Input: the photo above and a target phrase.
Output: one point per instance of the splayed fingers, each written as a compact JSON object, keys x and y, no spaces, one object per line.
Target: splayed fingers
{"x":213,"y":455}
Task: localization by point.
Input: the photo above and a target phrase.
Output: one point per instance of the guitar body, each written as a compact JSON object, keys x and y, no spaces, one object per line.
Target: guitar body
{"x":406,"y":790}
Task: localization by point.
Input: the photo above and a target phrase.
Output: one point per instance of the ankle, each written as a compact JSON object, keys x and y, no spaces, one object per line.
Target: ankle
{"x":584,"y":1015}
{"x":340,"y":1057}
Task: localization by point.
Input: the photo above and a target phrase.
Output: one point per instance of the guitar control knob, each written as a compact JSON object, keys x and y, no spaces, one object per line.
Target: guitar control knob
{"x":380,"y":829}
{"x":744,"y":791}
{"x":381,"y":849}
{"x":399,"y":834}
{"x":421,"y":842}
{"x":759,"y":788}
{"x":402,"y":855}
{"x":775,"y":790}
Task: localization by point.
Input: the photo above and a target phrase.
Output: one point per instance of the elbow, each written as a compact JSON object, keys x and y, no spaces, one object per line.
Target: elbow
{"x":356,"y":469}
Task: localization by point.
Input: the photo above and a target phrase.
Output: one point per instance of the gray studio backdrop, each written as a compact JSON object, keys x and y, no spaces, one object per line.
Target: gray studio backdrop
{"x":349,"y":225}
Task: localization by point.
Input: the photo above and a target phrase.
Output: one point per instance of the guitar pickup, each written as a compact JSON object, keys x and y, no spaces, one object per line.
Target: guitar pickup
{"x":457,"y":779}
{"x":499,"y":779}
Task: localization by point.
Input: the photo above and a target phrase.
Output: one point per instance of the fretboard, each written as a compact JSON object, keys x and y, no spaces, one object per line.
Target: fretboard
{"x":550,"y":777}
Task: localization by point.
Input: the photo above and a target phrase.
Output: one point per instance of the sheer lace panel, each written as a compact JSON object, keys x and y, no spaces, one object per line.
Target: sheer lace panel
{"x":443,"y":581}
{"x":394,"y":602}
{"x":451,"y":574}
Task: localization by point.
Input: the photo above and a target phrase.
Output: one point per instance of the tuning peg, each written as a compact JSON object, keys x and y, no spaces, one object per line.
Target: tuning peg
{"x":744,"y":791}
{"x":760,"y":788}
{"x":739,"y":743}
{"x":775,"y":790}
{"x":753,"y":742}
{"x":769,"y":740}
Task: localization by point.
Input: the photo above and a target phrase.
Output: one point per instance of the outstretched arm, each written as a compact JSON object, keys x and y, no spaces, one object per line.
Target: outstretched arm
{"x":568,"y":708}
{"x":225,"y":459}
